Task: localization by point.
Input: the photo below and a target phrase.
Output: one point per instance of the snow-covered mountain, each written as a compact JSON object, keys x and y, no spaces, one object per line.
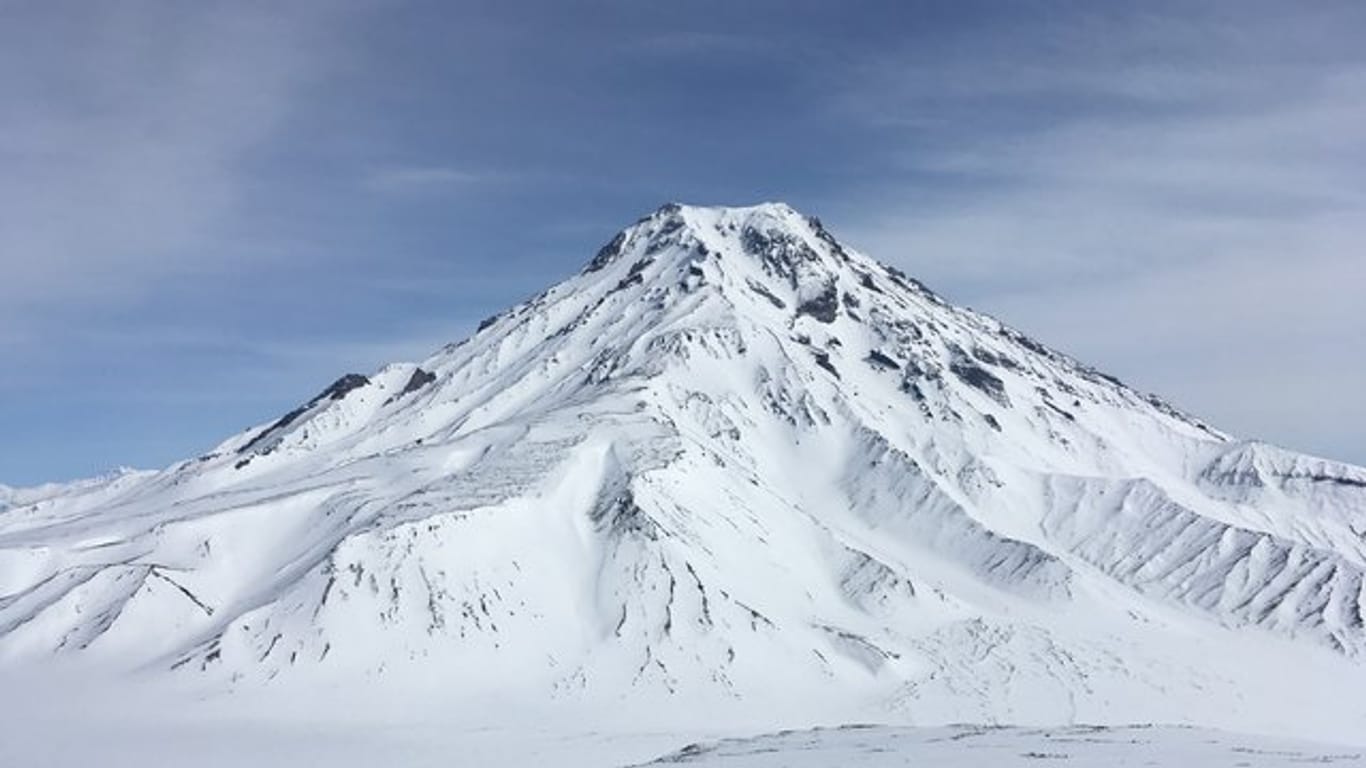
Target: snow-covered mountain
{"x":731,"y":463}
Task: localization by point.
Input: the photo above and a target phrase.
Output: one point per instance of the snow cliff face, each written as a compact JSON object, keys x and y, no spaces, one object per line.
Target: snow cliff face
{"x":731,"y":461}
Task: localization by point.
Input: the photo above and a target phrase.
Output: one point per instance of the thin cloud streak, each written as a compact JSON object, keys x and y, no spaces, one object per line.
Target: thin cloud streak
{"x":1201,"y":246}
{"x":402,"y":179}
{"x":130,"y":152}
{"x":237,"y":202}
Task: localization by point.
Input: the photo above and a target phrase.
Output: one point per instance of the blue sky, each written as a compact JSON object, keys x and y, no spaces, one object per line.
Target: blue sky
{"x":208,"y":211}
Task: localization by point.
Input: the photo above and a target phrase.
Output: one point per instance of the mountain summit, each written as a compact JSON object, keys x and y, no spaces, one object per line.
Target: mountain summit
{"x":735,"y":461}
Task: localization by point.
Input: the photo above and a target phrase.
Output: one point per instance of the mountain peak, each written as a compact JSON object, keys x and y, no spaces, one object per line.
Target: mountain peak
{"x":766,"y":213}
{"x":731,"y":457}
{"x":675,"y":224}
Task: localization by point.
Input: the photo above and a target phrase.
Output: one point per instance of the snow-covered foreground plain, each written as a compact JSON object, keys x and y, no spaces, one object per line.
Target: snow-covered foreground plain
{"x":978,"y":747}
{"x":77,"y":724}
{"x":59,"y":720}
{"x":733,"y":475}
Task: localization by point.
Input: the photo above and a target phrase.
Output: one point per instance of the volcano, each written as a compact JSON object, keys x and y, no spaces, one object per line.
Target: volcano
{"x":732,"y":465}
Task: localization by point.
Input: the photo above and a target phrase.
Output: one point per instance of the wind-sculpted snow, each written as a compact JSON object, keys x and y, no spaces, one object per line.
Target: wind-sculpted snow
{"x":1302,"y":498}
{"x":1137,"y":535}
{"x":894,"y":495}
{"x":732,"y":463}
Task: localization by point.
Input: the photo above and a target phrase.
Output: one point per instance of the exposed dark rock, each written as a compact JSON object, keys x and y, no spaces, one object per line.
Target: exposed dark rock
{"x":626,"y":282}
{"x":1104,"y":377}
{"x":671,"y":224}
{"x":1172,"y":411}
{"x":1026,"y":342}
{"x":829,"y":240}
{"x":767,"y":294}
{"x":660,"y":238}
{"x":823,"y":360}
{"x":487,"y":322}
{"x":878,"y":359}
{"x":1350,"y":482}
{"x":992,"y":358}
{"x":341,"y":387}
{"x":633,"y":277}
{"x":606,"y":253}
{"x":914,"y":369}
{"x":895,"y":273}
{"x":418,"y":380}
{"x":911,"y":285}
{"x":823,"y":307}
{"x":992,"y":422}
{"x":980,"y":378}
{"x":335,"y":391}
{"x":621,"y":515}
{"x":1065,"y":413}
{"x":778,"y":251}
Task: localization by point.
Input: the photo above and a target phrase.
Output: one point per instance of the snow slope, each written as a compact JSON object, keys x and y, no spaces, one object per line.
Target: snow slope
{"x":731,"y":469}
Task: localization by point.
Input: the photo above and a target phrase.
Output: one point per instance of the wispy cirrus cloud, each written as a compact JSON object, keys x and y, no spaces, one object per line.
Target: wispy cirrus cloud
{"x":1186,"y":206}
{"x":420,"y":178}
{"x":234,"y":201}
{"x":129,"y":148}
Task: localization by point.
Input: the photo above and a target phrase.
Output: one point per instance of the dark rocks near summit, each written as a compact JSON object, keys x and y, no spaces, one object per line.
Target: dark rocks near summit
{"x":341,"y":387}
{"x":976,"y":376}
{"x":418,"y":380}
{"x":606,"y":253}
{"x":878,"y":359}
{"x":335,"y":391}
{"x":824,"y":307}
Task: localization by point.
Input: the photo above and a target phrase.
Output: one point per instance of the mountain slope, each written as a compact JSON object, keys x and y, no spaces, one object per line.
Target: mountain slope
{"x":731,"y":461}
